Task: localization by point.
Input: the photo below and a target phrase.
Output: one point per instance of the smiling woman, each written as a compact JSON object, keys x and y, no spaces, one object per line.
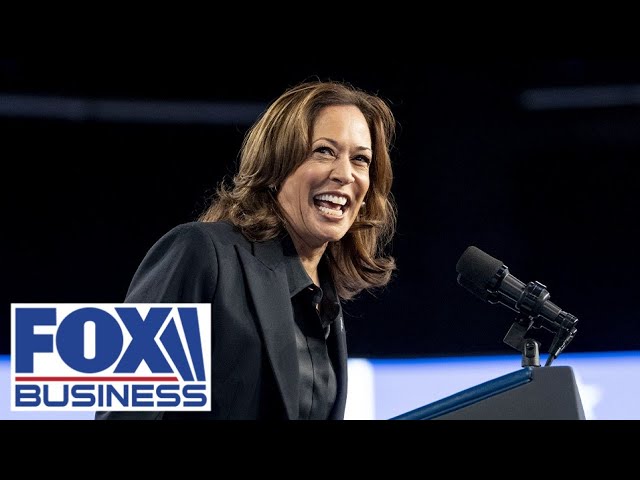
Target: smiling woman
{"x":322,"y":197}
{"x":302,"y":228}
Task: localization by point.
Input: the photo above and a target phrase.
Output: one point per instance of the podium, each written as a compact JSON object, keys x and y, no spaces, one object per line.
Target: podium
{"x":531,"y":393}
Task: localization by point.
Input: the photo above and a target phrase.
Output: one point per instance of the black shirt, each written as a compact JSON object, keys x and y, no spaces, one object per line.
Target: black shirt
{"x":314,"y":310}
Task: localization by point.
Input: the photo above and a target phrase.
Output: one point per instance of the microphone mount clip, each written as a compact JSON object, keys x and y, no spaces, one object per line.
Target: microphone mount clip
{"x":528,"y":307}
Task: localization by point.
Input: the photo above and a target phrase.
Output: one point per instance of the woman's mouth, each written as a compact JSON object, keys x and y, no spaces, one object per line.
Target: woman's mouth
{"x":331,"y":205}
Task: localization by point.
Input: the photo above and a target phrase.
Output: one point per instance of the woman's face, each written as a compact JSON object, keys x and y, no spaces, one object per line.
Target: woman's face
{"x":322,"y":197}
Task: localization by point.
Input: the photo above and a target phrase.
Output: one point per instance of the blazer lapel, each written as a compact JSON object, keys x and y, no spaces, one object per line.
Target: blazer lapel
{"x":337,"y":345}
{"x":270,"y":294}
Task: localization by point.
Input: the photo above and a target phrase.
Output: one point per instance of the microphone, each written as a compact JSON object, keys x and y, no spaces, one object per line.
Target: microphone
{"x":489,"y":279}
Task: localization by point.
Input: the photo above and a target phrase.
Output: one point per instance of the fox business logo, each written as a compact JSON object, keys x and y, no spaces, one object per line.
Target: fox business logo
{"x":111,"y":357}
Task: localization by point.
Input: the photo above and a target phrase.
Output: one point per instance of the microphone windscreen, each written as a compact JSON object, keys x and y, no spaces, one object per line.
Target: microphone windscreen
{"x":477,"y":267}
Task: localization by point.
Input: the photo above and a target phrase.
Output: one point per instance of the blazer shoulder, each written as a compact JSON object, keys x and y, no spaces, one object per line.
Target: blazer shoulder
{"x":215,"y":233}
{"x":182,"y":265}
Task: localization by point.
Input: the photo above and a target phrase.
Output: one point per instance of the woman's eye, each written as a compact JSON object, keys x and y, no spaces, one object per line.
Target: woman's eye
{"x":324,"y":150}
{"x":364,"y":159}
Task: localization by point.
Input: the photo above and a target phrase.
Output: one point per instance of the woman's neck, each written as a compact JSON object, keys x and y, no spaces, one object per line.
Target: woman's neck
{"x":309,"y":256}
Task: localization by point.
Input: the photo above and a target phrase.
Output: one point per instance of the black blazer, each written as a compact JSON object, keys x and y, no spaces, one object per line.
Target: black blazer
{"x":254,"y":364}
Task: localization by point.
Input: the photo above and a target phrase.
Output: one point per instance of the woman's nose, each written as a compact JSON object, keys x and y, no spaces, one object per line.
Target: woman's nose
{"x":342,"y":170}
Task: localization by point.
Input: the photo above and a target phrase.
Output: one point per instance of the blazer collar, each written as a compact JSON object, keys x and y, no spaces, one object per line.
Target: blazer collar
{"x":270,"y":253}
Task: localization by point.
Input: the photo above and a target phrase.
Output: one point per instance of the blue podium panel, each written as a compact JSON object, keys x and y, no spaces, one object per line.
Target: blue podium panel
{"x":532,"y":393}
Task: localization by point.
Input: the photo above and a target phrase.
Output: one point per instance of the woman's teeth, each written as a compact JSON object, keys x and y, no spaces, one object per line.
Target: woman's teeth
{"x":332,"y":205}
{"x":332,"y":198}
{"x":330,"y":211}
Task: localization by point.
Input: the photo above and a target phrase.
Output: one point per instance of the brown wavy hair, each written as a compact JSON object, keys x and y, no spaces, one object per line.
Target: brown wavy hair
{"x":277,"y":144}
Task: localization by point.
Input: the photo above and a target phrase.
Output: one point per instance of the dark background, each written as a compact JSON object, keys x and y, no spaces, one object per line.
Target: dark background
{"x":550,"y":192}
